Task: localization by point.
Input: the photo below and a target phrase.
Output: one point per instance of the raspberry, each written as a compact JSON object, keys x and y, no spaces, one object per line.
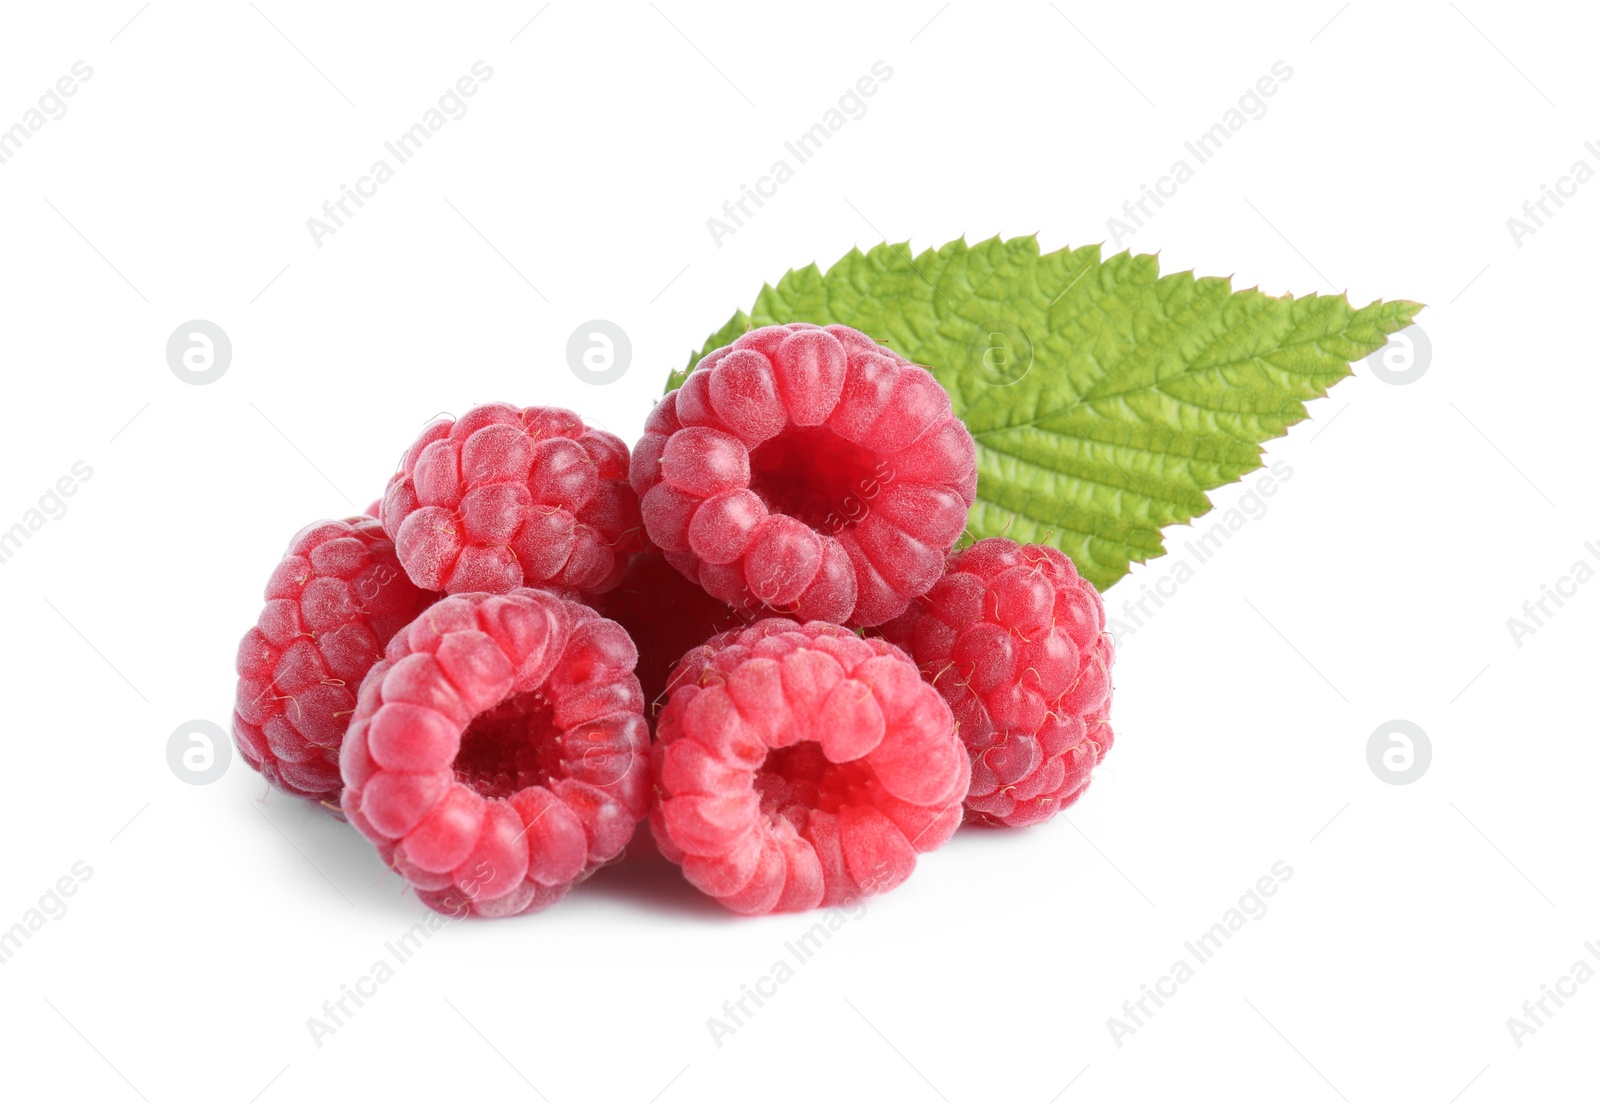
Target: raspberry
{"x":1015,"y":640}
{"x":801,"y":765}
{"x":497,"y":752}
{"x":334,"y":600}
{"x":504,"y":497}
{"x":807,"y":470}
{"x":666,"y":615}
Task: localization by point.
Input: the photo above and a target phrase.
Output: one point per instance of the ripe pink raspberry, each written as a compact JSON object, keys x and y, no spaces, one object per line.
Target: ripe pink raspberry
{"x":334,"y":600}
{"x":1015,"y":640}
{"x":505,"y":496}
{"x":801,"y":765}
{"x":807,"y":470}
{"x":666,"y":615}
{"x":497,"y":752}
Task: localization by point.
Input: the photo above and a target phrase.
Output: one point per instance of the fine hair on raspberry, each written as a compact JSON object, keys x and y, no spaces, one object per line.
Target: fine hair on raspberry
{"x":807,"y":470}
{"x":505,"y":496}
{"x":498,"y":753}
{"x":801,"y":765}
{"x":332,"y":604}
{"x":1015,"y":640}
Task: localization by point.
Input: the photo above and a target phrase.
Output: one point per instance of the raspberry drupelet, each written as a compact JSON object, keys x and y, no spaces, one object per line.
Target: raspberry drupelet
{"x":505,"y":496}
{"x":800,"y":765}
{"x":1015,"y":641}
{"x":333,"y":603}
{"x":807,"y":470}
{"x":498,"y":753}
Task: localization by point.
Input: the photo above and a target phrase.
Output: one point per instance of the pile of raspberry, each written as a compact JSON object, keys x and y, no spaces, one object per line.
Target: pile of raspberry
{"x":753,"y":632}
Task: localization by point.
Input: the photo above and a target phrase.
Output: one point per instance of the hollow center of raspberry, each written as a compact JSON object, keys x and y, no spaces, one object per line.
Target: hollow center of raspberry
{"x":813,"y":475}
{"x":509,"y":747}
{"x":800,"y":774}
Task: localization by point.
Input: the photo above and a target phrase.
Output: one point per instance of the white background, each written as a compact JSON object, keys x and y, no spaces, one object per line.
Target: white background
{"x":1418,"y":520}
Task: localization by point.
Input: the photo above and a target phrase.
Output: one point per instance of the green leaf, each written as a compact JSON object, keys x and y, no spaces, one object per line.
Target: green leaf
{"x":1106,"y":400}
